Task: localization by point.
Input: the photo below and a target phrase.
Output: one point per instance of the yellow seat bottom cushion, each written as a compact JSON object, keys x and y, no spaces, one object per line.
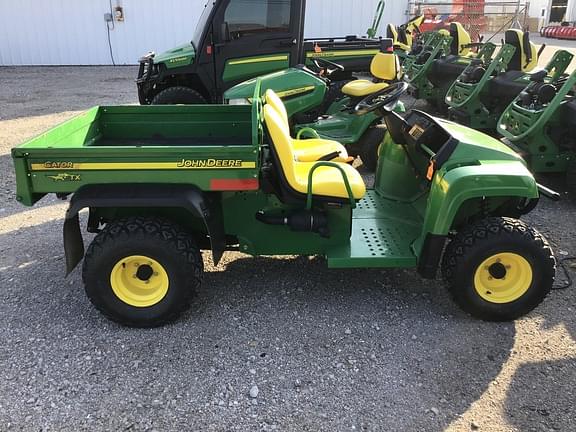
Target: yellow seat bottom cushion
{"x":327,"y":181}
{"x":312,"y":150}
{"x":360,"y":88}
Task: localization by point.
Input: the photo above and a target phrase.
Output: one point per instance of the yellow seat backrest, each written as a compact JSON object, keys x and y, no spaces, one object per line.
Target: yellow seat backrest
{"x":282,"y":143}
{"x":274,"y":100}
{"x":385,"y":66}
{"x":460,"y":38}
{"x":392,"y":33}
{"x":524,"y":50}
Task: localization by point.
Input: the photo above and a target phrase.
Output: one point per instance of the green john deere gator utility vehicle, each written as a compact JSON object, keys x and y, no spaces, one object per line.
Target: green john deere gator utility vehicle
{"x":236,"y":40}
{"x":163,"y":182}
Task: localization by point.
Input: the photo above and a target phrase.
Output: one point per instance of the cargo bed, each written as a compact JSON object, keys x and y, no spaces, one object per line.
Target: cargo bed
{"x":214,"y":147}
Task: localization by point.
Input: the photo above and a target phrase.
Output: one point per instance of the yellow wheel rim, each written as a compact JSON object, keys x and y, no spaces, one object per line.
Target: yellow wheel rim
{"x":139,"y":281}
{"x":503,"y":278}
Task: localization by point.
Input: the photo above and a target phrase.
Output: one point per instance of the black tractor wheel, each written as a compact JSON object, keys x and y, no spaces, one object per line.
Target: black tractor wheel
{"x":178,"y":96}
{"x":499,"y":269}
{"x":142,"y":272}
{"x":369,"y":144}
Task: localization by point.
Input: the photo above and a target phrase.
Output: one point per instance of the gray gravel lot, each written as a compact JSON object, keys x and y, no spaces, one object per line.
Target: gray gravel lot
{"x":328,"y":350}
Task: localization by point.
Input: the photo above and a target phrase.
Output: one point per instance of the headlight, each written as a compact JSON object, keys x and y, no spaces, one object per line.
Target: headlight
{"x":238,"y":101}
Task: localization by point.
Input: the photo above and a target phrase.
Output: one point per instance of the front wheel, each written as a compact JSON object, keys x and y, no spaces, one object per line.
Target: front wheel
{"x":178,"y":96}
{"x":142,"y":272}
{"x":499,"y":269}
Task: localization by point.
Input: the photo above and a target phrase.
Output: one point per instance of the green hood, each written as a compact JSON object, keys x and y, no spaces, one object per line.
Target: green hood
{"x":182,"y":55}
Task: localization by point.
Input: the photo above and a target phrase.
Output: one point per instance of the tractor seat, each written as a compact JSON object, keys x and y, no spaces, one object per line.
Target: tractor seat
{"x":384,"y":67}
{"x":327,"y":181}
{"x":506,"y":86}
{"x":447,"y":69}
{"x":525,"y":57}
{"x":363,"y":88}
{"x":460,"y":40}
{"x":308,"y":150}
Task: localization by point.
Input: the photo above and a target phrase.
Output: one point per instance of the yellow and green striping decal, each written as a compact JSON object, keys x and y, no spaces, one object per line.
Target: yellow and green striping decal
{"x":258,"y":60}
{"x":343,"y":53}
{"x":248,"y":67}
{"x":183,"y":164}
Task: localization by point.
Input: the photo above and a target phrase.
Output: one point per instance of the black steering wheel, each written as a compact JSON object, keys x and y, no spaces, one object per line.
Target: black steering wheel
{"x":384,"y":100}
{"x":326,"y":68}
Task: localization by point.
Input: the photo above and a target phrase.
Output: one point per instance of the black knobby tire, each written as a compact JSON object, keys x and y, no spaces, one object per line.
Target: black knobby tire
{"x":333,"y":94}
{"x":368,"y":145}
{"x":156,"y":238}
{"x":178,"y":95}
{"x":474,"y":244}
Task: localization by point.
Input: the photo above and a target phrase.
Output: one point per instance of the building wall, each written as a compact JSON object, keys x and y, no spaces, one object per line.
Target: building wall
{"x":73,"y":32}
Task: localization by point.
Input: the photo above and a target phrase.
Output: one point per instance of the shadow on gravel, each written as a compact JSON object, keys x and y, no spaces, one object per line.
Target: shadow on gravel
{"x":542,"y":395}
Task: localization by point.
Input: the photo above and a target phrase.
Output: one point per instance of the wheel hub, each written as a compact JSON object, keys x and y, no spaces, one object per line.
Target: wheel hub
{"x":139,"y":281}
{"x":503,"y":278}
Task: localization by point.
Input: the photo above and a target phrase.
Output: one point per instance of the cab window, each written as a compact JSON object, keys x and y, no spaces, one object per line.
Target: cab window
{"x":250,"y":17}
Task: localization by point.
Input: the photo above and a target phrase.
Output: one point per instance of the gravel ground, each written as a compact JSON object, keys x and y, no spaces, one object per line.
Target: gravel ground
{"x":278,"y":343}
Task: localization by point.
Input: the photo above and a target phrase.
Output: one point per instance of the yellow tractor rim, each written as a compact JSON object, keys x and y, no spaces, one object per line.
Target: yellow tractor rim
{"x":503,"y":278}
{"x":139,"y":281}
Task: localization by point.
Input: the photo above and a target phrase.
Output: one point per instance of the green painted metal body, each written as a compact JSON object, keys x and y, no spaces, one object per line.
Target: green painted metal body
{"x":301,"y":91}
{"x":543,"y":134}
{"x":473,"y":105}
{"x":418,"y":75}
{"x":205,"y":145}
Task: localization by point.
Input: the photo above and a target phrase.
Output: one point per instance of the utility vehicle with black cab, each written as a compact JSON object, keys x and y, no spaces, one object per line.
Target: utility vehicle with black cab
{"x":240,"y":39}
{"x":162,"y":183}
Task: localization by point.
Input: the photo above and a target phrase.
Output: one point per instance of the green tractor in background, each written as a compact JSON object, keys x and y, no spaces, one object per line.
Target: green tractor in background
{"x":540,"y":124}
{"x":441,"y":62}
{"x":485,"y":89}
{"x":405,"y":36}
{"x":314,"y":112}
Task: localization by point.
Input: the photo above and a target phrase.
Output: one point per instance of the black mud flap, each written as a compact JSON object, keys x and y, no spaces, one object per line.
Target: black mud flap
{"x":189,"y":198}
{"x":73,"y":243}
{"x":431,"y":255}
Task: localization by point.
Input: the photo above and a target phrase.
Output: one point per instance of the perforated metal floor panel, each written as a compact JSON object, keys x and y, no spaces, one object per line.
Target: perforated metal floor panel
{"x":382,"y":233}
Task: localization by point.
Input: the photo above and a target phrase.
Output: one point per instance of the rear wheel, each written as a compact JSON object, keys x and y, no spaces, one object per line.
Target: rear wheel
{"x":178,"y":95}
{"x":499,"y":269}
{"x":142,"y":272}
{"x":369,"y":145}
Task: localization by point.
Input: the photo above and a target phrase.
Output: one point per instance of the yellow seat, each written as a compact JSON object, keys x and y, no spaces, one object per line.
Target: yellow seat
{"x":362,"y":88}
{"x":461,"y":40}
{"x":308,"y":150}
{"x":525,"y":57}
{"x":327,"y":181}
{"x":384,"y":67}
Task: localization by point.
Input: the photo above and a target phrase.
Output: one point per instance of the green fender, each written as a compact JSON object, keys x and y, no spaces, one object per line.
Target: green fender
{"x":452,"y":188}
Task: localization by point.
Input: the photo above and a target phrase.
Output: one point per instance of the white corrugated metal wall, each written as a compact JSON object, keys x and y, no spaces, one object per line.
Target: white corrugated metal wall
{"x":73,"y":32}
